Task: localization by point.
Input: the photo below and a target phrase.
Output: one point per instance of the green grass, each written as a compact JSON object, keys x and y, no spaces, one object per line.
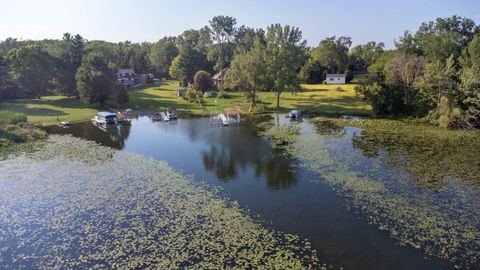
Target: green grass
{"x":320,"y":98}
{"x":47,"y":109}
{"x":8,"y":117}
{"x":164,"y":95}
{"x":316,"y":98}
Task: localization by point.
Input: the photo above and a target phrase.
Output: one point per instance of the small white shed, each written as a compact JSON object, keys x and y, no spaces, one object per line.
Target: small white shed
{"x":336,"y":78}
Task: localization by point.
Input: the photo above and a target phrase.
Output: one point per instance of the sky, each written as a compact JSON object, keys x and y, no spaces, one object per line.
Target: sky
{"x":149,"y":20}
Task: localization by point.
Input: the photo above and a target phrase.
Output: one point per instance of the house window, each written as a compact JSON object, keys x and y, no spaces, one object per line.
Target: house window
{"x":331,"y":79}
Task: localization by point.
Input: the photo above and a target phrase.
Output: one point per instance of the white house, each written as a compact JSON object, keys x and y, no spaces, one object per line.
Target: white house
{"x":336,"y":78}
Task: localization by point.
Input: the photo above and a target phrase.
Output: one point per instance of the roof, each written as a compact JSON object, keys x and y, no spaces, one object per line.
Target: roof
{"x":218,"y":75}
{"x":126,"y":70}
{"x":106,"y":114}
{"x":336,"y":75}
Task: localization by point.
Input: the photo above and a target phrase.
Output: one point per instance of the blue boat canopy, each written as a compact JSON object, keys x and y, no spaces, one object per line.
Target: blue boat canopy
{"x":107,"y":115}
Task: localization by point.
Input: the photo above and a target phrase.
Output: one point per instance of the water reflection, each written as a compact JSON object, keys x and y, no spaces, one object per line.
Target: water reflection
{"x":225,"y":151}
{"x":113,"y":136}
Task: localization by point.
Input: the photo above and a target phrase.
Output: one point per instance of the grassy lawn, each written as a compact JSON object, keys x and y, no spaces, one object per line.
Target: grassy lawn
{"x":47,"y":109}
{"x":317,"y":98}
{"x":320,"y":98}
{"x":164,"y":95}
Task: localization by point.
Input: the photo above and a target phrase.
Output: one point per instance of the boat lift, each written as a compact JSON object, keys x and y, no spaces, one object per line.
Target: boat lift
{"x":224,"y":119}
{"x":164,"y":116}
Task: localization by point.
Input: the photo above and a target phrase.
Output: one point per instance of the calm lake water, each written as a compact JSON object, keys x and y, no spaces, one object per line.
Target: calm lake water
{"x":268,"y":184}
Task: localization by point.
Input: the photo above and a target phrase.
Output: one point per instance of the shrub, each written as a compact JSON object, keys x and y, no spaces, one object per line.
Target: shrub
{"x":190,"y":95}
{"x":8,"y":117}
{"x":348,"y":76}
{"x":203,"y":82}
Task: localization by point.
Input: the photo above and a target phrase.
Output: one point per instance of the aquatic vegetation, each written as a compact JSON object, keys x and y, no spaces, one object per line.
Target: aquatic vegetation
{"x":70,"y":204}
{"x":431,"y":154}
{"x":282,"y":136}
{"x":376,"y":170}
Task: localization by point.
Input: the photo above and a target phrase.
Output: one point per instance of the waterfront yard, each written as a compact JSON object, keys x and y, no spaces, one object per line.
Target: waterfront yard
{"x":328,"y":99}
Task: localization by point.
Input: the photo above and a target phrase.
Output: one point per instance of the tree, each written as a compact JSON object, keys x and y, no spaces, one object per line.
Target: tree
{"x":223,"y":32}
{"x":384,"y":98}
{"x":378,"y":68}
{"x":186,"y":64}
{"x":247,"y":72}
{"x":469,"y":96}
{"x":67,"y":55}
{"x":95,"y":80}
{"x":404,"y":70}
{"x":203,"y":81}
{"x":332,"y":53}
{"x":438,"y":80}
{"x":285,"y":55}
{"x":192,"y":56}
{"x":363,"y":56}
{"x":408,"y":44}
{"x":312,"y":72}
{"x":120,"y":94}
{"x":445,"y":36}
{"x":162,"y":54}
{"x":31,"y":67}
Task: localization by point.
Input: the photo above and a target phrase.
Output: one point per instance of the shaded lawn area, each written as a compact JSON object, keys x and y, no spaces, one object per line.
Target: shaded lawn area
{"x":47,"y":109}
{"x":164,"y":95}
{"x":317,"y":98}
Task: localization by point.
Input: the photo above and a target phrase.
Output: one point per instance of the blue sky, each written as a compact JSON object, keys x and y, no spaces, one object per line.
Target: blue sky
{"x":148,"y":20}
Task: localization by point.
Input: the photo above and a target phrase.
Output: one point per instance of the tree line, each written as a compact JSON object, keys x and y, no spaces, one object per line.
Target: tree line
{"x":432,"y":72}
{"x":74,"y":66}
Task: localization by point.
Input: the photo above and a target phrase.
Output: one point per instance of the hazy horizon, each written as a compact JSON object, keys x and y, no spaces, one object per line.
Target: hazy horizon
{"x":148,"y":20}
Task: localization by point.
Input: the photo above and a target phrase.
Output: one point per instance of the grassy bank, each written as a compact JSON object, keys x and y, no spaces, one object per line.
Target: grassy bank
{"x":50,"y":109}
{"x":14,"y":128}
{"x":316,"y":98}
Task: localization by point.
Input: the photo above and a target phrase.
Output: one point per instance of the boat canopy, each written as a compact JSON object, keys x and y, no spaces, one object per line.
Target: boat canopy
{"x":107,"y":115}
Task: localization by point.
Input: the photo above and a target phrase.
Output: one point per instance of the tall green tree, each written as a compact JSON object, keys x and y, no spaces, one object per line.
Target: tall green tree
{"x":285,"y":55}
{"x":67,"y":56}
{"x":469,"y":96}
{"x":223,"y":29}
{"x":247,"y":72}
{"x":438,"y":80}
{"x":445,"y":36}
{"x":95,"y":79}
{"x":332,"y":53}
{"x":32,"y":68}
{"x":186,"y":64}
{"x":363,"y":56}
{"x":312,"y":72}
{"x":162,"y":54}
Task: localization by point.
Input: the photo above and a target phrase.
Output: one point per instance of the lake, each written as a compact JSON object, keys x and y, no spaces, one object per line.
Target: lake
{"x":275,"y":186}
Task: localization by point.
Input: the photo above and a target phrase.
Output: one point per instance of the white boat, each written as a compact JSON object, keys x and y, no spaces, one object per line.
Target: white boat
{"x":294,"y":114}
{"x":104,"y":118}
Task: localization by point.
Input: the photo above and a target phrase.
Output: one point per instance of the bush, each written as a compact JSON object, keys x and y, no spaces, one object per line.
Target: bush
{"x":190,"y":95}
{"x":348,"y":76}
{"x":8,"y":117}
{"x":203,"y":82}
{"x":5,"y":143}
